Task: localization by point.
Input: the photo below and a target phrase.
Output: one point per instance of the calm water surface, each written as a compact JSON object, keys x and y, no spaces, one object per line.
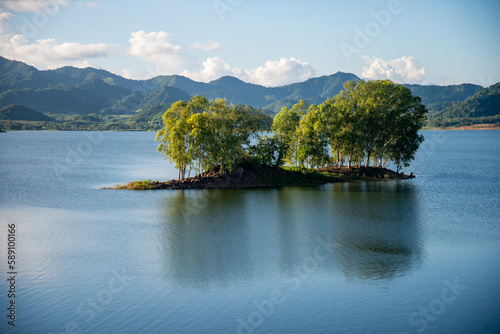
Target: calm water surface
{"x":413,"y":256}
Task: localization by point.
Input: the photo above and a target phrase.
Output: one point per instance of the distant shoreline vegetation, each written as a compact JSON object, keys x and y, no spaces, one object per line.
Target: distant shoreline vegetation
{"x":367,"y":123}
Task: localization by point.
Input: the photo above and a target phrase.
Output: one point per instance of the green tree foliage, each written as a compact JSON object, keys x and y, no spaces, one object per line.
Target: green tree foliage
{"x":205,"y":134}
{"x":201,"y":139}
{"x":385,"y":106}
{"x":270,"y":150}
{"x":285,"y":125}
{"x":344,"y":127}
{"x":370,"y":121}
{"x":174,"y":137}
{"x":311,"y":139}
{"x":405,"y":140}
{"x":374,"y":121}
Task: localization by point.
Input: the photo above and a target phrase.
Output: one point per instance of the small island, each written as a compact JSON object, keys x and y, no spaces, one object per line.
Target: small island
{"x":248,"y":175}
{"x":350,"y":137}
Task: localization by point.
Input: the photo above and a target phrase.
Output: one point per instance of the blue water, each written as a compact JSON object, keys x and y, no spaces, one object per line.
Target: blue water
{"x":420,"y":255}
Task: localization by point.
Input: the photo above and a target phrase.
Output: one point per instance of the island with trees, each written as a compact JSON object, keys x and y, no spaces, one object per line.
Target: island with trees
{"x":349,"y":137}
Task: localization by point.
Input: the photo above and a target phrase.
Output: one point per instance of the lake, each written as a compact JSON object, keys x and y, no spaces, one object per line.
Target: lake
{"x":413,"y":256}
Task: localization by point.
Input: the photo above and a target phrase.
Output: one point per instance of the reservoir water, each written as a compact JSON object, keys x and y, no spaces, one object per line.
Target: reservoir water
{"x":413,"y":256}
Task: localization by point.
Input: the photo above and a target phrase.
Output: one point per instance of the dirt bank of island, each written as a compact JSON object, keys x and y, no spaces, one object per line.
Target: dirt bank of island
{"x":246,"y":175}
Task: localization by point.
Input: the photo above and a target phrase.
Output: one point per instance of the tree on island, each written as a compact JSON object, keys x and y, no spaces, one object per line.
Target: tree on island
{"x":379,"y":120}
{"x":285,"y":125}
{"x":204,"y":134}
{"x":371,"y":121}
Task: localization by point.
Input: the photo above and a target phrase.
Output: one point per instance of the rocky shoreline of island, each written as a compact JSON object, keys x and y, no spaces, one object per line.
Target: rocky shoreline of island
{"x":246,"y":176}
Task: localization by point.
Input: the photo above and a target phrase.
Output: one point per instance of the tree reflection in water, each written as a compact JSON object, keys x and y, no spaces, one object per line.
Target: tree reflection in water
{"x":227,"y":237}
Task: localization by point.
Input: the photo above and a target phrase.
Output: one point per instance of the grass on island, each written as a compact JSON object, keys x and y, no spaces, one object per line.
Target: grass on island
{"x":137,"y":185}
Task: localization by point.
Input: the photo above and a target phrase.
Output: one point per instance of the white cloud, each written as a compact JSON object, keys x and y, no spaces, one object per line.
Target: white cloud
{"x":127,"y":74}
{"x":4,"y":16}
{"x":272,"y":73}
{"x":85,"y":64}
{"x":213,"y":68}
{"x":400,"y":70}
{"x":136,"y":75}
{"x":47,"y":52}
{"x":280,"y":72}
{"x":49,"y":6}
{"x":153,"y":44}
{"x":88,"y":5}
{"x":210,"y":46}
{"x":160,"y":50}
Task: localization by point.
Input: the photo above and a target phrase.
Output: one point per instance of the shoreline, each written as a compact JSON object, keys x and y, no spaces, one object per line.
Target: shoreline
{"x":247,"y":176}
{"x":466,"y":127}
{"x":482,"y":126}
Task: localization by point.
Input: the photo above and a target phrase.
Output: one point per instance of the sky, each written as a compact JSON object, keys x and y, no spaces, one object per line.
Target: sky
{"x":271,"y":43}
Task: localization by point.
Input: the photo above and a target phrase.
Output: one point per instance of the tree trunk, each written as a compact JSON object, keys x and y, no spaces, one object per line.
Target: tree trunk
{"x":368,"y":154}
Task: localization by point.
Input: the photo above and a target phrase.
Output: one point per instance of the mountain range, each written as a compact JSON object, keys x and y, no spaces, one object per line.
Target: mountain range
{"x":17,"y":112}
{"x":84,"y":91}
{"x":482,"y":107}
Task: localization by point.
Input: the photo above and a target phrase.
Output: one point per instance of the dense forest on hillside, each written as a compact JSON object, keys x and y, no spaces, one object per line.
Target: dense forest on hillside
{"x":21,"y":113}
{"x":483,"y":107}
{"x":111,"y":102}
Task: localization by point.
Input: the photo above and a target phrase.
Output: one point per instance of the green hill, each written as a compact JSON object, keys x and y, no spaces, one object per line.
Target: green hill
{"x":234,"y":90}
{"x":149,"y":118}
{"x":326,"y":86}
{"x":178,"y":81}
{"x":16,"y":112}
{"x":482,"y":107}
{"x":76,"y":91}
{"x":138,"y":101}
{"x":23,"y":84}
{"x":438,"y":98}
{"x":74,"y":76}
{"x":164,"y":95}
{"x":18,"y":75}
{"x":314,"y":90}
{"x":86,"y":98}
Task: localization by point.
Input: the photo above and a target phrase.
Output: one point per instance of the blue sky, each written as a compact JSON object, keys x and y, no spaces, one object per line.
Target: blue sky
{"x":265,"y":42}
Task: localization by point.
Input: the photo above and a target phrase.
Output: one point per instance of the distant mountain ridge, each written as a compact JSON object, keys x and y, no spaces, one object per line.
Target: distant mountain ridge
{"x":15,"y":112}
{"x":482,"y":107}
{"x":437,"y":98}
{"x":70,"y":90}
